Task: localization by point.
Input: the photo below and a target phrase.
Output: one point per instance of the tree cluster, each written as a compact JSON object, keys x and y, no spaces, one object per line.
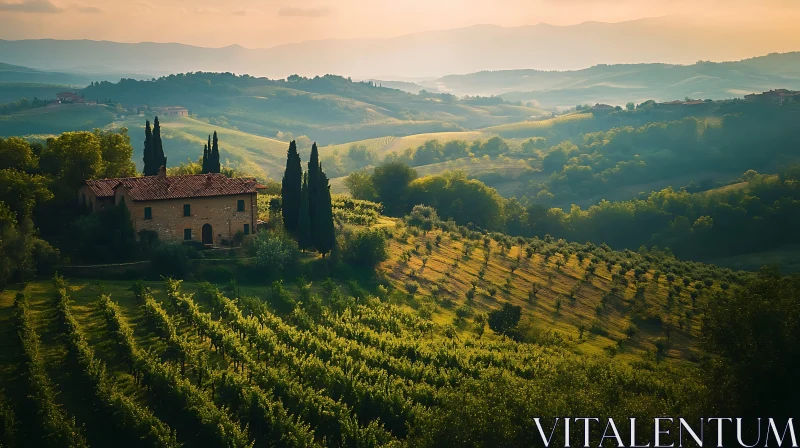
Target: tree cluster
{"x":210,"y":160}
{"x":307,"y":210}
{"x":154,"y":157}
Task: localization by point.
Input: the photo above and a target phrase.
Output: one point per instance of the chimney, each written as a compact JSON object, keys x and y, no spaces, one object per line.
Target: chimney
{"x":162,"y":172}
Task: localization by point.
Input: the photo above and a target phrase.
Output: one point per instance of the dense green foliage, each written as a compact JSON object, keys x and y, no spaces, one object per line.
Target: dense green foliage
{"x":755,"y":332}
{"x":755,"y":215}
{"x":364,"y":248}
{"x":38,"y":204}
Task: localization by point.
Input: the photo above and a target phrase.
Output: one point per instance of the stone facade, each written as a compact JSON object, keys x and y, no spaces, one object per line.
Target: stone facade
{"x":207,"y":208}
{"x":168,"y":220}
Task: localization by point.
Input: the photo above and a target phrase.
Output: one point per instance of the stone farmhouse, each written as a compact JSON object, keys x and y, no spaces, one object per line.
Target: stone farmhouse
{"x":209,"y":208}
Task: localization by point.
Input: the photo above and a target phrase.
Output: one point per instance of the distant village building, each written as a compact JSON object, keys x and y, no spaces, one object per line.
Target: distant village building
{"x":171,"y":111}
{"x":209,"y":208}
{"x":778,"y":96}
{"x":69,"y":97}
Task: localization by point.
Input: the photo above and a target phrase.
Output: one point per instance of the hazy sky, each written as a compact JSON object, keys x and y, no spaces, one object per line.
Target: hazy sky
{"x":265,"y":23}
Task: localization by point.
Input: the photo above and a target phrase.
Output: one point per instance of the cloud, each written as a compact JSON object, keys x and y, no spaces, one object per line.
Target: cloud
{"x":305,"y":12}
{"x":33,"y":6}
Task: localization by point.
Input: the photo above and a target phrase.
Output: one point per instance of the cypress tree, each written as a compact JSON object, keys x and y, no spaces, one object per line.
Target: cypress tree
{"x":158,"y":159}
{"x":214,"y":167}
{"x":313,"y":184}
{"x":291,"y":189}
{"x":148,"y":149}
{"x":206,"y":160}
{"x":304,"y":221}
{"x":322,"y":231}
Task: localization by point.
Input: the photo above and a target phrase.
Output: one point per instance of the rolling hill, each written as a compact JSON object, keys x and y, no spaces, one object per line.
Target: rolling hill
{"x":184,"y":138}
{"x":619,"y":83}
{"x":56,"y":119}
{"x":329,"y":109}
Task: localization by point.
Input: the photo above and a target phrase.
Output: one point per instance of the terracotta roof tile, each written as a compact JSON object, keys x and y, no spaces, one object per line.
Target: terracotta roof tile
{"x":153,"y":188}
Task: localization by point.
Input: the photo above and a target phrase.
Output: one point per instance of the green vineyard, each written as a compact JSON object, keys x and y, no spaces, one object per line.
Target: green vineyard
{"x":168,"y":364}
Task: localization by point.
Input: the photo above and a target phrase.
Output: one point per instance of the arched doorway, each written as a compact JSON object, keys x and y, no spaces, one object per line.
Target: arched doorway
{"x":208,"y":234}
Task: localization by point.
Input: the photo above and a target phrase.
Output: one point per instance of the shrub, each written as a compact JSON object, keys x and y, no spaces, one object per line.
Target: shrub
{"x":195,"y":245}
{"x":148,"y":241}
{"x":598,"y":329}
{"x":470,"y":295}
{"x":463,"y":312}
{"x":274,"y":251}
{"x":172,"y":260}
{"x":281,"y":299}
{"x":216,"y":274}
{"x":504,"y":320}
{"x":364,"y":247}
{"x":45,"y":256}
{"x":631,"y":330}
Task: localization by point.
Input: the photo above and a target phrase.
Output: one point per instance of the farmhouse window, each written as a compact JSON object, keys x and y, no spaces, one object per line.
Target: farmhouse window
{"x":148,"y":213}
{"x":247,"y":229}
{"x":240,"y":205}
{"x":187,"y":210}
{"x":187,"y":234}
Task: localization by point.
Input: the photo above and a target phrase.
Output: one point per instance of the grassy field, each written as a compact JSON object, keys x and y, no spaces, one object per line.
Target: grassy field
{"x":385,"y":145}
{"x":541,"y":128}
{"x":501,"y":173}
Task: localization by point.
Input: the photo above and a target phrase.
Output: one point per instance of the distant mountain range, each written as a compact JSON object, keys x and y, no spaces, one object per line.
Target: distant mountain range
{"x":426,"y":54}
{"x":18,"y":74}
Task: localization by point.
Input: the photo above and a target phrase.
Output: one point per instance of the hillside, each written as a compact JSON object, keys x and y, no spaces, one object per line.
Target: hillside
{"x":16,"y":90}
{"x":55,"y":120}
{"x":329,"y":109}
{"x":619,"y":83}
